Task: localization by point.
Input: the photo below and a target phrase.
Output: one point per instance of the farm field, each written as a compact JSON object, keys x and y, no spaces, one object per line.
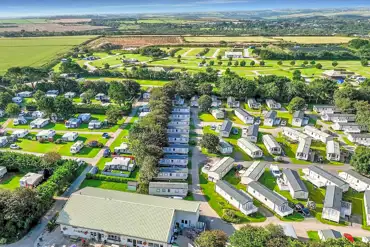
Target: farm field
{"x":212,"y":39}
{"x":22,"y":21}
{"x":141,"y":82}
{"x":35,"y":51}
{"x":138,"y":40}
{"x":315,"y":39}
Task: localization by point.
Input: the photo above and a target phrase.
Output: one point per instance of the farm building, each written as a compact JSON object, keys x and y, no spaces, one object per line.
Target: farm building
{"x":339,"y":117}
{"x":329,"y":234}
{"x":226,"y":128}
{"x":322,"y":109}
{"x":20,"y":133}
{"x":123,"y":148}
{"x":70,"y":136}
{"x":244,"y":116}
{"x":363,"y":139}
{"x":3,"y":171}
{"x":178,"y":129}
{"x":332,"y":150}
{"x":232,"y":102}
{"x":95,"y":124}
{"x":235,"y":197}
{"x":253,"y":104}
{"x":124,"y":218}
{"x":294,"y":134}
{"x":194,"y":101}
{"x":176,"y":149}
{"x":3,"y":141}
{"x":233,"y":54}
{"x":270,"y":199}
{"x":272,"y":104}
{"x":172,"y":173}
{"x":70,"y":95}
{"x":174,"y":160}
{"x":168,"y":189}
{"x":349,"y":127}
{"x":322,"y":178}
{"x":355,"y":180}
{"x":253,"y":173}
{"x":31,"y":180}
{"x":334,"y":208}
{"x":270,"y":118}
{"x":291,"y":181}
{"x":39,"y":123}
{"x":217,"y":113}
{"x":250,"y":148}
{"x":218,"y":170}
{"x":46,"y":134}
{"x":317,"y":134}
{"x":224,"y":147}
{"x":76,"y":147}
{"x":178,"y":138}
{"x":251,"y":133}
{"x":215,"y":101}
{"x":73,"y":123}
{"x":272,"y":146}
{"x":367,"y":206}
{"x":303,"y":149}
{"x":298,"y":118}
{"x":24,"y":94}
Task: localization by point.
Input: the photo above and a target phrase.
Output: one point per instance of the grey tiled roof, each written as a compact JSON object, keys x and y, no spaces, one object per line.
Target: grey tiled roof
{"x":294,"y":180}
{"x":269,"y":194}
{"x":227,"y":126}
{"x":333,"y":197}
{"x":236,"y":194}
{"x":253,"y":130}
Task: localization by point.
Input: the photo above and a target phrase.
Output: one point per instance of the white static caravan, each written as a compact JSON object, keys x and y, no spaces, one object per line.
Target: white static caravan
{"x":270,"y":118}
{"x":76,"y":147}
{"x":194,"y":101}
{"x":235,"y":197}
{"x":251,"y":133}
{"x":232,"y":102}
{"x":294,"y":134}
{"x":244,"y":116}
{"x":253,"y":173}
{"x":168,"y":189}
{"x":176,"y":149}
{"x":181,"y":109}
{"x":224,"y":147}
{"x":322,"y":178}
{"x":303,"y":149}
{"x":31,"y":180}
{"x":123,"y":148}
{"x":296,"y":187}
{"x":178,"y":123}
{"x":172,"y":173}
{"x":174,"y":160}
{"x":272,"y":104}
{"x":217,"y":113}
{"x":215,"y":101}
{"x":355,"y":180}
{"x":180,"y":116}
{"x":269,"y":198}
{"x":317,"y":134}
{"x":39,"y":123}
{"x":329,"y":234}
{"x":178,"y":129}
{"x":367,"y":206}
{"x":339,"y":118}
{"x":334,"y":208}
{"x":3,"y":171}
{"x":226,"y":128}
{"x":349,"y":127}
{"x":332,"y":151}
{"x":323,"y":109}
{"x":178,"y":138}
{"x":45,"y":134}
{"x":220,"y":169}
{"x":272,"y":146}
{"x":70,"y":136}
{"x":253,"y":104}
{"x":20,"y":133}
{"x":298,"y":118}
{"x":250,"y":148}
{"x":362,"y":139}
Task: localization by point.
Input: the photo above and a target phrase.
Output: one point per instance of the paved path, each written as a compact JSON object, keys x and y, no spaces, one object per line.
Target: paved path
{"x":187,"y":52}
{"x":216,"y":53}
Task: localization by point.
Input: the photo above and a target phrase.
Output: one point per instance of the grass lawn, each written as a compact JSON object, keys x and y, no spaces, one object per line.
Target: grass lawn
{"x":35,"y":51}
{"x":10,"y":181}
{"x":232,"y":117}
{"x":104,"y":185}
{"x":207,"y":117}
{"x":313,"y":235}
{"x":218,"y":203}
{"x":348,"y":142}
{"x":64,"y":148}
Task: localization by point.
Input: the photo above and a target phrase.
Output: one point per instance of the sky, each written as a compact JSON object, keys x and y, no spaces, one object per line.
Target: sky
{"x":16,"y":8}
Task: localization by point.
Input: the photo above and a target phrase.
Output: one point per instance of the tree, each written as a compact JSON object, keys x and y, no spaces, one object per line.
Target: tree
{"x":296,"y":104}
{"x":249,"y":236}
{"x":360,"y":160}
{"x":227,"y":71}
{"x":113,"y":114}
{"x":64,"y":107}
{"x":179,"y":57}
{"x":213,"y":238}
{"x":236,"y":63}
{"x":51,"y":157}
{"x":205,"y":88}
{"x":219,"y":57}
{"x":297,"y":75}
{"x":237,"y":87}
{"x":70,"y":67}
{"x":38,"y":94}
{"x":292,"y":63}
{"x":334,"y":63}
{"x":345,"y":98}
{"x":262,"y":63}
{"x":230,"y":59}
{"x":204,"y":61}
{"x":179,"y":60}
{"x":305,"y":62}
{"x":364,"y":62}
{"x":117,"y":92}
{"x":46,"y":104}
{"x":88,"y":95}
{"x":219,"y":63}
{"x":132,"y":88}
{"x":211,"y":63}
{"x":313,"y":62}
{"x":12,"y":109}
{"x":319,"y":66}
{"x":322,"y":90}
{"x":363,"y":113}
{"x":210,"y":142}
{"x":205,"y":103}
{"x":5,"y":99}
{"x":243,"y":63}
{"x":229,"y":63}
{"x":252,"y":63}
{"x":280,"y":62}
{"x":106,"y":66}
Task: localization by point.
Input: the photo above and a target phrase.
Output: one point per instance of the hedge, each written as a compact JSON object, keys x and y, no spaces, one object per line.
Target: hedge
{"x":99,"y":109}
{"x":109,"y":178}
{"x":22,"y":162}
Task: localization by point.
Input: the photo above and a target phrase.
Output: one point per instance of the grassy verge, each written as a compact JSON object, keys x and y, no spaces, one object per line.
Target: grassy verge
{"x":313,"y":235}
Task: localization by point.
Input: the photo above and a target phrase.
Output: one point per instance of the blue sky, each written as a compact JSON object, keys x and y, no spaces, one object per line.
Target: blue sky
{"x":9,"y":8}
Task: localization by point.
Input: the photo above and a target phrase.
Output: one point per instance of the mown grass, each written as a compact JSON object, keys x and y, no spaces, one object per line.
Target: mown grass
{"x":10,"y":181}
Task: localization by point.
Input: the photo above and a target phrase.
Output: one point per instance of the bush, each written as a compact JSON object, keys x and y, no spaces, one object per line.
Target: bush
{"x":108,"y":178}
{"x":99,"y":109}
{"x":229,"y":215}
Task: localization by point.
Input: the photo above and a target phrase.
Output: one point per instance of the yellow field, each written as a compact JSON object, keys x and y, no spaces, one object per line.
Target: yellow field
{"x":315,"y":39}
{"x":210,"y":39}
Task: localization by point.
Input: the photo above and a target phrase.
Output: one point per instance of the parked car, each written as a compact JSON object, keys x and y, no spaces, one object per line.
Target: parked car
{"x":14,"y":146}
{"x":213,"y":127}
{"x":106,"y":153}
{"x":275,"y":171}
{"x":235,"y":131}
{"x":300,"y":208}
{"x":106,"y":135}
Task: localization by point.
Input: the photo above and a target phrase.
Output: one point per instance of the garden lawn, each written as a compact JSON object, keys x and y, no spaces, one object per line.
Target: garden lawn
{"x":104,"y":185}
{"x":10,"y":181}
{"x":207,"y":117}
{"x":218,"y":203}
{"x":313,"y":235}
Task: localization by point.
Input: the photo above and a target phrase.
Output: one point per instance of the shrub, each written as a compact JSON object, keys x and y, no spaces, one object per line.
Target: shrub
{"x":99,"y":109}
{"x":230,"y":216}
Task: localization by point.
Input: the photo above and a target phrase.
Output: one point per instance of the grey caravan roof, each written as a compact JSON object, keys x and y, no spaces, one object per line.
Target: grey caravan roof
{"x":253,"y":130}
{"x":238,"y":195}
{"x":298,"y":114}
{"x":333,"y":197}
{"x":175,"y":156}
{"x":227,"y":126}
{"x":329,"y":176}
{"x":358,"y":176}
{"x":270,"y":195}
{"x":367,"y":198}
{"x":294,"y":180}
{"x":242,"y":112}
{"x":271,"y":114}
{"x":328,"y":233}
{"x":259,"y":167}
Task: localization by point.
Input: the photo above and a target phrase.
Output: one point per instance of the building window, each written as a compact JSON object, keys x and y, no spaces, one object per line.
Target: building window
{"x":150,"y":244}
{"x":139,"y":242}
{"x":129,"y":240}
{"x":158,"y":190}
{"x":163,"y":190}
{"x":156,"y":245}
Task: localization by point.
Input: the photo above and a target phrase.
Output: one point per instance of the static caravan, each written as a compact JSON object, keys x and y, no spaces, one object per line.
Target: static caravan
{"x":292,"y":181}
{"x":224,"y":147}
{"x":298,"y":118}
{"x":25,"y":94}
{"x":215,"y":101}
{"x":176,"y":149}
{"x":329,"y":234}
{"x":294,"y":134}
{"x":334,"y":208}
{"x":123,"y":148}
{"x":17,"y":100}
{"x":272,"y":104}
{"x":270,"y":199}
{"x":272,"y":146}
{"x":270,"y":118}
{"x":244,"y":116}
{"x":226,"y":128}
{"x":238,"y":198}
{"x":254,"y":172}
{"x":84,"y":117}
{"x":31,"y":180}
{"x":178,"y":138}
{"x":332,"y":150}
{"x":194,"y":101}
{"x":39,"y":123}
{"x":178,"y":100}
{"x":175,"y":160}
{"x":76,"y":147}
{"x":303,"y":149}
{"x":323,"y":109}
{"x":45,"y":134}
{"x":232,"y":102}
{"x":20,"y":133}
{"x":251,"y":133}
{"x":172,"y":173}
{"x":349,"y":127}
{"x":317,"y":134}
{"x":220,"y":169}
{"x":253,"y":104}
{"x":3,"y":171}
{"x":168,"y":189}
{"x":180,"y":116}
{"x":3,"y":141}
{"x":178,"y":123}
{"x":355,"y":180}
{"x":250,"y":148}
{"x":178,"y":129}
{"x":181,"y":109}
{"x":95,"y":124}
{"x":73,"y":123}
{"x":70,"y":136}
{"x":367,"y":206}
{"x":217,"y":113}
{"x":362,"y":139}
{"x":339,"y":118}
{"x":38,"y":114}
{"x":69,"y":95}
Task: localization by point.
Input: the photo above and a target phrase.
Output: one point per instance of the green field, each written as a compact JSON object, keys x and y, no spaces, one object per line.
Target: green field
{"x":23,"y":21}
{"x":104,"y":185}
{"x":10,"y":181}
{"x":35,"y":51}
